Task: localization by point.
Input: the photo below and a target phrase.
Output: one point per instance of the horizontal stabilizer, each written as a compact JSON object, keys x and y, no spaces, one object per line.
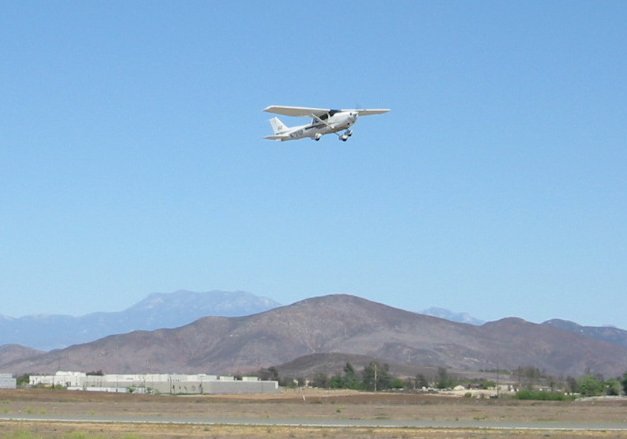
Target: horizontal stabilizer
{"x":277,"y":138}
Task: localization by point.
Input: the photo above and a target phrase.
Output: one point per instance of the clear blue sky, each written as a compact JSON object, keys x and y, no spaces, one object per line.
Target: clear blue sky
{"x":132,"y":157}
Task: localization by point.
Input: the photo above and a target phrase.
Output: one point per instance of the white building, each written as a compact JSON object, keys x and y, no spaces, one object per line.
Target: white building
{"x":7,"y":381}
{"x":61,"y":379}
{"x":155,"y":383}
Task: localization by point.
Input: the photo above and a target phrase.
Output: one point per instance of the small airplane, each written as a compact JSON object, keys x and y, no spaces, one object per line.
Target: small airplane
{"x":324,"y":121}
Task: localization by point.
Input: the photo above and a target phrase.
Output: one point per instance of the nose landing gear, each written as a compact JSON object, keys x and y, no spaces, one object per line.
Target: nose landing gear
{"x":344,"y":137}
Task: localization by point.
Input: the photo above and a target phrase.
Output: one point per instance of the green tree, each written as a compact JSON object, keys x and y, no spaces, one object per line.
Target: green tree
{"x":347,"y":380}
{"x":336,"y":382}
{"x":351,"y":380}
{"x":269,"y":374}
{"x":398,"y":383}
{"x":590,"y":385}
{"x":612,"y":387}
{"x":376,"y":377}
{"x":23,"y":380}
{"x":528,"y":377}
{"x":421,"y":381}
{"x":444,"y":381}
{"x":572,"y":386}
{"x":321,"y":380}
{"x":624,"y":383}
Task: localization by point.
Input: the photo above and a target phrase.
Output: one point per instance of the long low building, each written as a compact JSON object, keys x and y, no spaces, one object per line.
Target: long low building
{"x":173,"y":384}
{"x":7,"y":381}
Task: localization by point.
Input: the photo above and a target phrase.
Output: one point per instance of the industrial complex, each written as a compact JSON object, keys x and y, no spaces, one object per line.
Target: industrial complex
{"x":173,"y":384}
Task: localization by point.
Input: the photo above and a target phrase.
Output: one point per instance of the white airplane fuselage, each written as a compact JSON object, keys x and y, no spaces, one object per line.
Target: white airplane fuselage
{"x":318,"y":127}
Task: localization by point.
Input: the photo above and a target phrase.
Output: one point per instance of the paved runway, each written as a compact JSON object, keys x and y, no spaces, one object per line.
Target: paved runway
{"x":339,"y":423}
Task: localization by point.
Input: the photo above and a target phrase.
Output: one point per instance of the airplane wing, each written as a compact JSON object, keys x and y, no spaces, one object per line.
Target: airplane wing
{"x":308,"y":111}
{"x":296,"y":111}
{"x":368,"y":112}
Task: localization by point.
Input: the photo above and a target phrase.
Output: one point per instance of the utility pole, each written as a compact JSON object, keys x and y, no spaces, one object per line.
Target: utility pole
{"x":375,"y":377}
{"x":498,"y":384}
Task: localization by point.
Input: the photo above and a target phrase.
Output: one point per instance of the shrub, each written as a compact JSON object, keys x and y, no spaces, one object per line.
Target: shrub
{"x":539,"y":395}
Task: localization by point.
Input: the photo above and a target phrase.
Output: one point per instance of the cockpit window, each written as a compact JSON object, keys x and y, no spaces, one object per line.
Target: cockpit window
{"x":325,"y":116}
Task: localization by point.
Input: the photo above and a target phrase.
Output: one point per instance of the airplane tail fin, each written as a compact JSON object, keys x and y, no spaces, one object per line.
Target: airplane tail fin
{"x":277,"y":125}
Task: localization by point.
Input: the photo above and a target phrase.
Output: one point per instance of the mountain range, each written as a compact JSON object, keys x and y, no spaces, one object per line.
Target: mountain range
{"x":158,"y":310}
{"x":459,"y":317}
{"x":603,"y":333}
{"x":314,"y":330}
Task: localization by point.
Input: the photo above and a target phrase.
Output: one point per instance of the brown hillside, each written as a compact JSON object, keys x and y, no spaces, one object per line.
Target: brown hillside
{"x":334,"y":324}
{"x":14,"y":352}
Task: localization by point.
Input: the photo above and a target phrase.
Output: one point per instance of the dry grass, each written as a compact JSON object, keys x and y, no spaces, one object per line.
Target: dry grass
{"x":10,"y":430}
{"x":294,"y":406}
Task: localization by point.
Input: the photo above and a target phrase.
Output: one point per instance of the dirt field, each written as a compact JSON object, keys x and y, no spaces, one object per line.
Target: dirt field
{"x":100,"y":415}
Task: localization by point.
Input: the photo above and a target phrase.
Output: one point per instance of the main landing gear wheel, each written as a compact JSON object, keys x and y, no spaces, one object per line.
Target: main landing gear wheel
{"x":345,"y":135}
